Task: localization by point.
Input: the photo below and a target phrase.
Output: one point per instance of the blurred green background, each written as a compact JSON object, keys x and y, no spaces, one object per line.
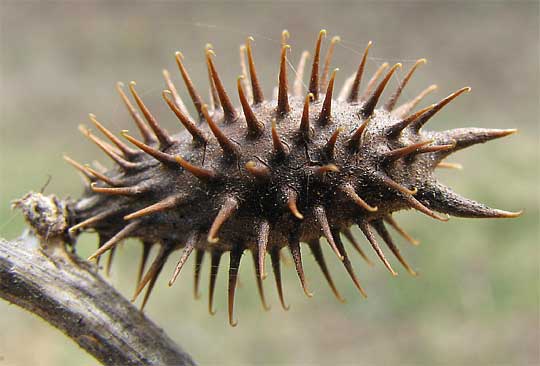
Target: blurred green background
{"x":476,"y":300}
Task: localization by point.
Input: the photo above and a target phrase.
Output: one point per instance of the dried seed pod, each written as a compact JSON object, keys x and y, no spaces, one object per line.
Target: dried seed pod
{"x":270,"y":174}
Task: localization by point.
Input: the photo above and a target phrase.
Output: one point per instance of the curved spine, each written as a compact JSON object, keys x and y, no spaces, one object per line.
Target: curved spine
{"x":176,"y":97}
{"x":364,"y":226}
{"x":230,"y":149}
{"x":227,"y":210}
{"x":378,"y":225}
{"x":193,"y":238}
{"x":326,"y":112}
{"x":199,"y":257}
{"x":371,"y":102}
{"x":153,"y":273}
{"x":314,"y":78}
{"x":292,"y":197}
{"x":327,"y":62}
{"x":330,"y":146}
{"x":355,"y":86}
{"x":259,"y":276}
{"x":108,"y":150}
{"x":163,"y":205}
{"x":197,"y":134}
{"x":283,"y":106}
{"x":193,"y":93}
{"x":255,"y":128}
{"x":407,"y":107}
{"x":259,"y":171}
{"x":147,"y":135}
{"x":422,"y":120}
{"x":280,"y":149}
{"x":294,"y":246}
{"x":229,"y":110}
{"x":162,"y":135}
{"x":320,"y":214}
{"x":215,"y":259}
{"x":258,"y":96}
{"x":81,"y":168}
{"x":235,"y":256}
{"x":391,"y":103}
{"x":262,"y":245}
{"x":156,"y":154}
{"x":356,"y":137}
{"x":348,"y":265}
{"x":305,"y":130}
{"x":128,"y":152}
{"x":349,"y":190}
{"x":122,"y":191}
{"x":390,"y":220}
{"x":116,"y":239}
{"x":350,"y":237}
{"x":276,"y":267}
{"x":316,"y":250}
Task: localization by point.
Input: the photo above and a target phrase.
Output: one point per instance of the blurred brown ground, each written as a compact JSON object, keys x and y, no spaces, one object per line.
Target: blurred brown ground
{"x":476,"y":301}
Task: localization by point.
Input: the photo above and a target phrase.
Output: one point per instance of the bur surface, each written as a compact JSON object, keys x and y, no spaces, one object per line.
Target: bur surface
{"x":272,"y":173}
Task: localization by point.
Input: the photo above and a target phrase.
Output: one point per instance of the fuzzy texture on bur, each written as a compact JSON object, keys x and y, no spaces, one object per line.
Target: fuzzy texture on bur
{"x":272,"y":173}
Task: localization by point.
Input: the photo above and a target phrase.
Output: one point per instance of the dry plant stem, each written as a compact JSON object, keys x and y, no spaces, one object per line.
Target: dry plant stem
{"x":47,"y":280}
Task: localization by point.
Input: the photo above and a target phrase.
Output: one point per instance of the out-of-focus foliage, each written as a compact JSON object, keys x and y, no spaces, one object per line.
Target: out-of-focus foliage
{"x":476,"y":300}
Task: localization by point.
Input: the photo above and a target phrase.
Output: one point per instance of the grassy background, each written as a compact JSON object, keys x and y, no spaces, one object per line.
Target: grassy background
{"x":476,"y":301}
